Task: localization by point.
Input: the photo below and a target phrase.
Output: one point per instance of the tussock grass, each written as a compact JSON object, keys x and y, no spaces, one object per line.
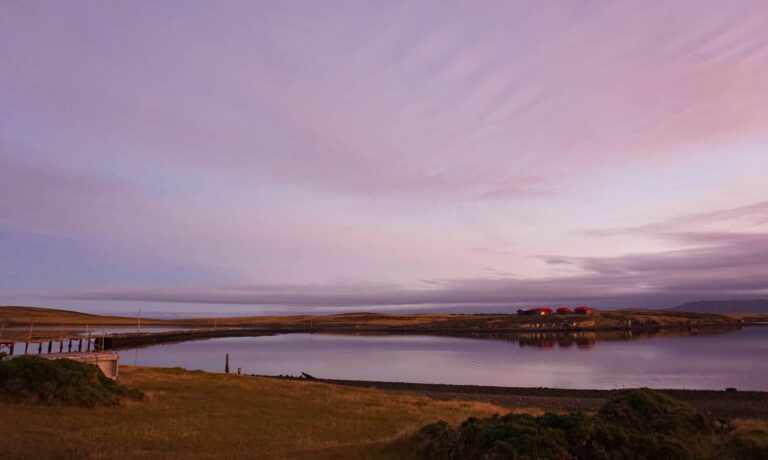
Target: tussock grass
{"x":32,"y":379}
{"x":636,"y":424}
{"x":203,"y":415}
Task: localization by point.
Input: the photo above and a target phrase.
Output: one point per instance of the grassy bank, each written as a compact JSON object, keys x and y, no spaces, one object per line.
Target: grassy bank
{"x":225,"y":416}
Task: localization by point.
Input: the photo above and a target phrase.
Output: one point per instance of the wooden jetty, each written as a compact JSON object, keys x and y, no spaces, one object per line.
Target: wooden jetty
{"x":69,"y":344}
{"x":48,"y":342}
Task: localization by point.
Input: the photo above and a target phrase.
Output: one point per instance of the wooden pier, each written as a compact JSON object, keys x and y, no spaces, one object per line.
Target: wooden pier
{"x":48,"y":341}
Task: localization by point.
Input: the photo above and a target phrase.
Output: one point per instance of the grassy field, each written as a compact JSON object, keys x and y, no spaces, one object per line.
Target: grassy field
{"x":209,"y":415}
{"x":205,"y":415}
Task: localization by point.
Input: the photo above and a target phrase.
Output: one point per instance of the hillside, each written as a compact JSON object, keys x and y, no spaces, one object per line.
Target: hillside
{"x":725,"y":306}
{"x":23,"y":316}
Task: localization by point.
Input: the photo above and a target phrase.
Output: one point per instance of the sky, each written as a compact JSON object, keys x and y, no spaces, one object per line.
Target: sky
{"x":320,"y":157}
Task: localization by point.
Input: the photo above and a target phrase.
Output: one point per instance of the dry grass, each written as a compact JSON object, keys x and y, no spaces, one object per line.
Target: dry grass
{"x":754,"y":429}
{"x":49,"y":316}
{"x":226,"y":416}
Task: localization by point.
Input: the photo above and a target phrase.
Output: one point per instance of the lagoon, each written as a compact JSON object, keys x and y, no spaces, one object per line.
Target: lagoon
{"x":738,"y":359}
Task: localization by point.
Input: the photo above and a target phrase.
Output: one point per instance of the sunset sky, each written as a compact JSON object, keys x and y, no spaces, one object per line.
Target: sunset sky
{"x":332,"y":156}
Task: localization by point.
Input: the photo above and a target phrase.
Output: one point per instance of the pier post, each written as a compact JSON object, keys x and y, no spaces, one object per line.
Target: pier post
{"x":11,"y":353}
{"x":40,"y":348}
{"x":226,"y":365}
{"x":50,"y":347}
{"x":70,"y":346}
{"x":29,"y":339}
{"x":80,"y":345}
{"x":88,"y":342}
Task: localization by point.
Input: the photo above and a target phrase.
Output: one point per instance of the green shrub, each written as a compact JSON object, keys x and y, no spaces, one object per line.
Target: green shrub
{"x":635,"y":425}
{"x":62,"y":381}
{"x":648,"y":411}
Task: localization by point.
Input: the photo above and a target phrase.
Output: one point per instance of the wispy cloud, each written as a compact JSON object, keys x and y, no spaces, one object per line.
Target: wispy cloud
{"x":283,"y":146}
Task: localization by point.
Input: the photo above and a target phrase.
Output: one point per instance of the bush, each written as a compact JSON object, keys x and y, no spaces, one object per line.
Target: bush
{"x":637,"y":424}
{"x":62,"y":381}
{"x":648,"y":411}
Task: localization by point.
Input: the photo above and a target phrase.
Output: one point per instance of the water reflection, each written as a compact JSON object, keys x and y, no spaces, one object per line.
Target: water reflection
{"x":733,"y":358}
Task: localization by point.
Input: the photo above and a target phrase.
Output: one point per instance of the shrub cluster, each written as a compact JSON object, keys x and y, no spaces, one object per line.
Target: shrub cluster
{"x":637,"y":424}
{"x":34,"y":379}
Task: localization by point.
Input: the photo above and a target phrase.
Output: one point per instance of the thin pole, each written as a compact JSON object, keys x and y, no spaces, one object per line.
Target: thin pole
{"x":29,"y":339}
{"x":139,"y":331}
{"x":61,"y":338}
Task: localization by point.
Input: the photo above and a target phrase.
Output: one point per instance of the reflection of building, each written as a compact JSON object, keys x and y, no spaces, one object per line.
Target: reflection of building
{"x":545,"y":340}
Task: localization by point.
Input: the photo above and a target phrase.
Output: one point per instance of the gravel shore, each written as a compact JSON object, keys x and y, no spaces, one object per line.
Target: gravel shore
{"x":721,"y":404}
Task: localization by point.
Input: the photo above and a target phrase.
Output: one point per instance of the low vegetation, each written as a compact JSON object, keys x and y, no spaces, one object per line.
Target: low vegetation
{"x":32,"y":379}
{"x":638,"y":424}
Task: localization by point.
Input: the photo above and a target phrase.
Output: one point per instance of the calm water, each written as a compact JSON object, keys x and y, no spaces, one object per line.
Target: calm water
{"x":735,"y":359}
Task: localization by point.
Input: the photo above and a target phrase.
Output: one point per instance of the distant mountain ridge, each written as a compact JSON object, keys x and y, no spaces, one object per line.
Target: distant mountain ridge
{"x":725,"y":306}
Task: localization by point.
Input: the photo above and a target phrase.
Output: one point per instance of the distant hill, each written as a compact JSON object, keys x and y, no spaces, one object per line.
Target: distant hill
{"x":725,"y":306}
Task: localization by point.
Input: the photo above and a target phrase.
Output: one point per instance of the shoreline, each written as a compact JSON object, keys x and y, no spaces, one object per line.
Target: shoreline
{"x":717,"y":403}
